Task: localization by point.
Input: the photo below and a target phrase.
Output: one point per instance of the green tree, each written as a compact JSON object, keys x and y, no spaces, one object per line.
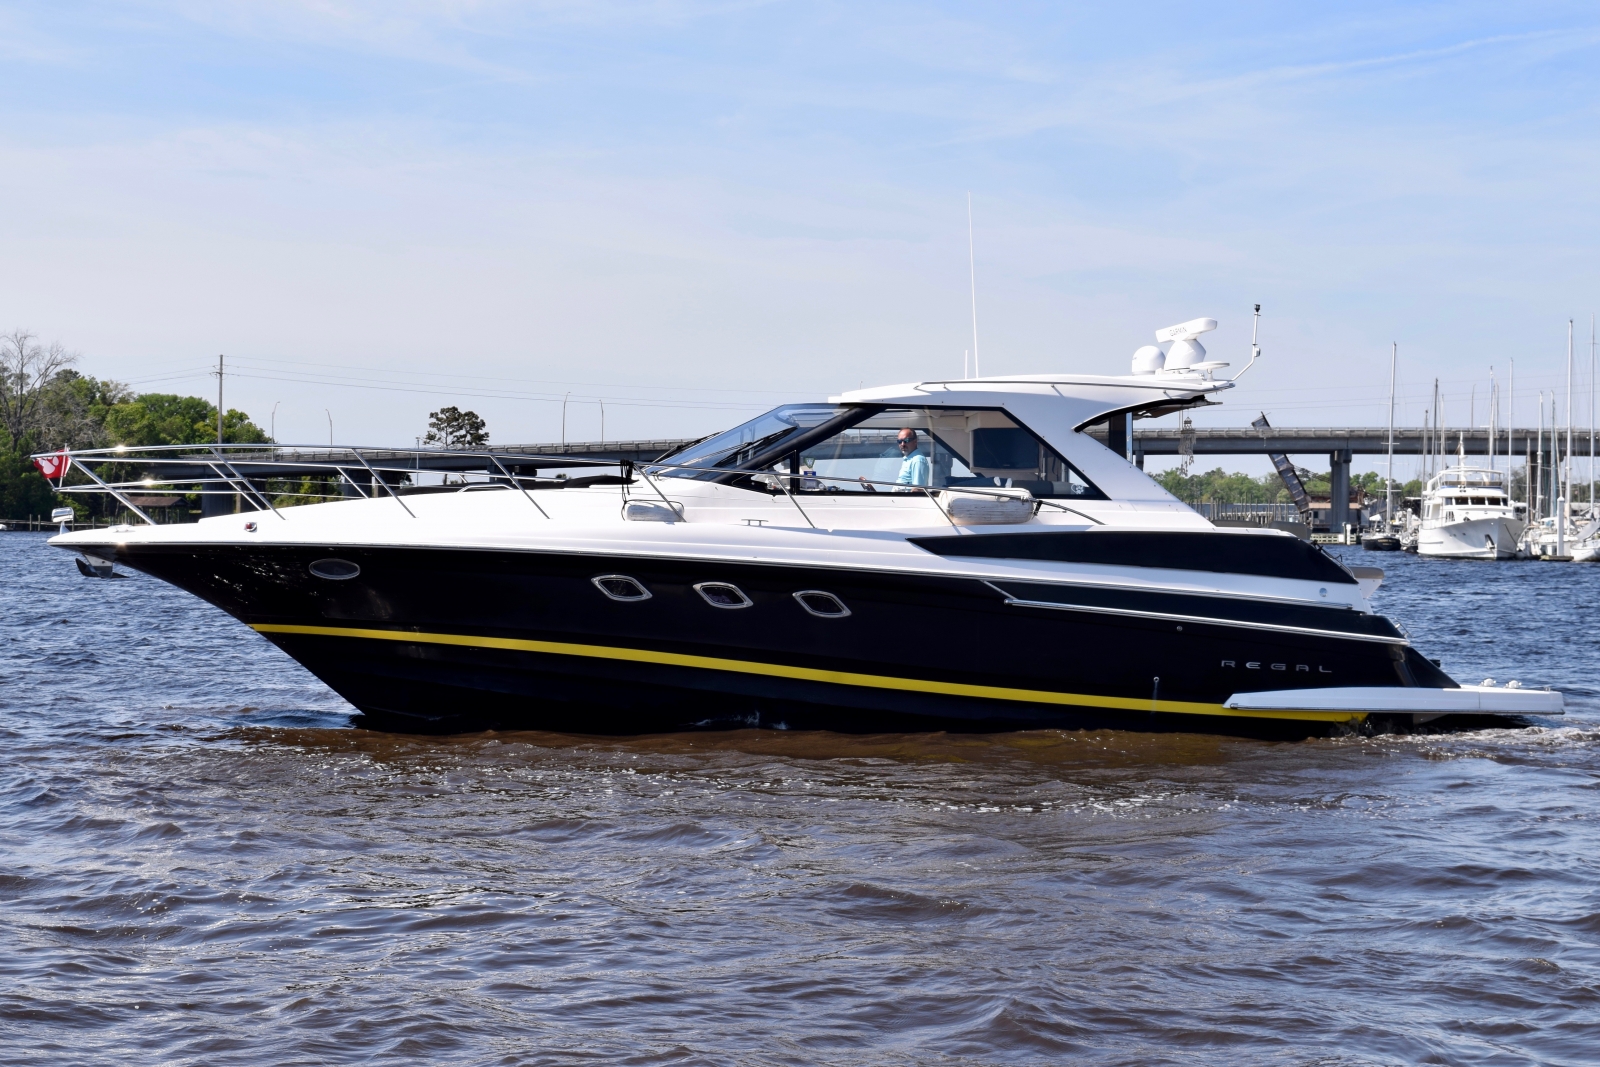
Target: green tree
{"x":23,"y":490}
{"x":1220,"y":487}
{"x":167,"y":419}
{"x":453,"y":428}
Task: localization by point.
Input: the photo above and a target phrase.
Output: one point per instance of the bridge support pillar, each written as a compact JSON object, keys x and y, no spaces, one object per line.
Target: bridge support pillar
{"x":1117,"y":434}
{"x":1339,"y":490}
{"x":214,"y":503}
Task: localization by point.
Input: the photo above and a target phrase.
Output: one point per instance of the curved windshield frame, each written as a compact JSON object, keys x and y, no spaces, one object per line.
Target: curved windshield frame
{"x":732,"y":449}
{"x":830,"y":448}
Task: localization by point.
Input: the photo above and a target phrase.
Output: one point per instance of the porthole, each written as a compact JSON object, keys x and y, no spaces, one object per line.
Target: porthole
{"x":723,"y":595}
{"x":823,"y":605}
{"x":335,"y":570}
{"x":620,"y":587}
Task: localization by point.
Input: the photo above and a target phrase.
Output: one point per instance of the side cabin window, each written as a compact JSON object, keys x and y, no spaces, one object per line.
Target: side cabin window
{"x":861,"y":450}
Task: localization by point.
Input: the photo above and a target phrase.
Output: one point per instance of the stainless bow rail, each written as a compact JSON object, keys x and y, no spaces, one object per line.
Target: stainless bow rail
{"x":264,"y":475}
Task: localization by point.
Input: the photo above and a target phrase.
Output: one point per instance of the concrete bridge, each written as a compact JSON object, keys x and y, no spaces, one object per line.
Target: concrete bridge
{"x":1339,"y":444}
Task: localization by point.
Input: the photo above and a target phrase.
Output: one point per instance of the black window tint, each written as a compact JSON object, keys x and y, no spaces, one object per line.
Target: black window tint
{"x":1190,"y":550}
{"x":1005,"y":448}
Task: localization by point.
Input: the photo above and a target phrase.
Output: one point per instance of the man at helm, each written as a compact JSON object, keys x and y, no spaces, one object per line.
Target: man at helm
{"x":915,"y":470}
{"x":914,"y":466}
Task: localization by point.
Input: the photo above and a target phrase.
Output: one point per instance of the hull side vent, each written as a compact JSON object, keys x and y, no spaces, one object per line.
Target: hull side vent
{"x":823,"y":605}
{"x":723,"y":595}
{"x":621,"y":587}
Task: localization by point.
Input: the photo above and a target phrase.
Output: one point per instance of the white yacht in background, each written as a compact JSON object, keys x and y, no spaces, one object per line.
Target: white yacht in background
{"x":1467,"y":514}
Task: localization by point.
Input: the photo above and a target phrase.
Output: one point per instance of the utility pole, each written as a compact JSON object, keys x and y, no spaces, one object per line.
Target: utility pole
{"x":219,"y":400}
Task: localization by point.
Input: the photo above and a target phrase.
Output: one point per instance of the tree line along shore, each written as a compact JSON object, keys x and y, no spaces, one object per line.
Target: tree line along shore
{"x":46,"y":404}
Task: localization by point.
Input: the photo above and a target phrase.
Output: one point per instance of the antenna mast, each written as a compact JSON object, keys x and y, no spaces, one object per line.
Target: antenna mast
{"x":972,"y":267}
{"x":1255,"y":349}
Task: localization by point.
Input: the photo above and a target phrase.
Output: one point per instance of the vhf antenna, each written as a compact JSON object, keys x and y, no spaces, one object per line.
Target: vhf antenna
{"x":1255,"y":349}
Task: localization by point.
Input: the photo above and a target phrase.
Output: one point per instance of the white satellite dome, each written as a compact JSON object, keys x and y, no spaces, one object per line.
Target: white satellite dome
{"x":1149,"y":359}
{"x":1185,"y":354}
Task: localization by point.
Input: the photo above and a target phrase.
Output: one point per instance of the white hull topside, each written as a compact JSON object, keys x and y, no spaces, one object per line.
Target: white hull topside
{"x":1486,"y":538}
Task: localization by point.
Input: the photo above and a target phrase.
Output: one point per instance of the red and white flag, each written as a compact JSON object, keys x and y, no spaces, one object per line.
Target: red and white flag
{"x":53,"y":466}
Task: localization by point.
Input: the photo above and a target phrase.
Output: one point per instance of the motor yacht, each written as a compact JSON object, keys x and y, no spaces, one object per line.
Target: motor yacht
{"x":1467,"y":514}
{"x":956,"y":554}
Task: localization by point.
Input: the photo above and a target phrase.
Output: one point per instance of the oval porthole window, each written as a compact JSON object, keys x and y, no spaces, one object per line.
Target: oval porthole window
{"x":620,"y":587}
{"x":723,"y":595}
{"x":823,"y":605}
{"x":335,"y":570}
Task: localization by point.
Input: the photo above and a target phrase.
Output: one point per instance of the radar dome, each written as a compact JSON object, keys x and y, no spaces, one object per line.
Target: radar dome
{"x":1149,"y":359}
{"x":1185,"y":354}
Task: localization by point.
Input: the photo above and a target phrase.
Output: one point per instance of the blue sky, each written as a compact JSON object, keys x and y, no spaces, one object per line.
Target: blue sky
{"x":696,"y":210}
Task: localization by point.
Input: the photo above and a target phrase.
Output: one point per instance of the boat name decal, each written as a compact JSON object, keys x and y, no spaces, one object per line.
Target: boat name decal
{"x":1255,"y":665}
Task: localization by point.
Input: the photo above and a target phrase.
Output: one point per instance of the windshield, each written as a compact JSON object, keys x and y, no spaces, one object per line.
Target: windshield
{"x":732,"y":448}
{"x":905,"y":449}
{"x":894,"y":450}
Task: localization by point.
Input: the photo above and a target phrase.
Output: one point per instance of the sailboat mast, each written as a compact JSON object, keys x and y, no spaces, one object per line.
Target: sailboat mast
{"x":1538,"y":492}
{"x":1388,"y":473}
{"x":1494,"y":413}
{"x":1437,"y":444}
{"x":1592,"y":511}
{"x":1567,"y":481}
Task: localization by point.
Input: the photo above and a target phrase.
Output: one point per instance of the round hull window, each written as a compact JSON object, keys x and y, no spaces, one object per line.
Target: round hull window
{"x":335,"y":570}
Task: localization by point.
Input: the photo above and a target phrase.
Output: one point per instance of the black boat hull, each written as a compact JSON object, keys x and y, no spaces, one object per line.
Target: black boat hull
{"x":455,"y":638}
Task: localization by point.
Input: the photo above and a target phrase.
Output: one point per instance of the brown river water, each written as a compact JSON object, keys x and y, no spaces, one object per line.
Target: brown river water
{"x":207,"y":863}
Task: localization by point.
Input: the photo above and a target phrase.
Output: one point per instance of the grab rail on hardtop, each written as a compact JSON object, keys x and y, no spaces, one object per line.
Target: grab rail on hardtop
{"x":234,"y":470}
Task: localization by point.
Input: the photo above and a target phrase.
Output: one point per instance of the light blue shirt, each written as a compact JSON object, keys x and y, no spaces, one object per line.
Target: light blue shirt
{"x":914,"y":470}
